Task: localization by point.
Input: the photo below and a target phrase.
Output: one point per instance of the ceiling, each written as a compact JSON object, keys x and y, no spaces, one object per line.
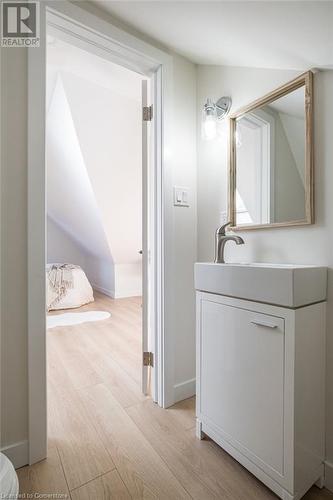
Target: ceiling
{"x":65,"y":57}
{"x":265,"y":34}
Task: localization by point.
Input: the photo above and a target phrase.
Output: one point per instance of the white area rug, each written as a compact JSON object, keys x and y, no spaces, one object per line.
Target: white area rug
{"x":67,"y":319}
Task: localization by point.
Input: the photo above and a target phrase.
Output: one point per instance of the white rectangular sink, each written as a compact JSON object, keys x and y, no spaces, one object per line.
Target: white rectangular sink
{"x":286,"y":285}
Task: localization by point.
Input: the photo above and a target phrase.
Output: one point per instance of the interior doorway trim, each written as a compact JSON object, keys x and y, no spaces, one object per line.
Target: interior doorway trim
{"x":143,"y":58}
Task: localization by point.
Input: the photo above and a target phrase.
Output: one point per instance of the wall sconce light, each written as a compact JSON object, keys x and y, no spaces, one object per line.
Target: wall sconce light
{"x":213,"y":112}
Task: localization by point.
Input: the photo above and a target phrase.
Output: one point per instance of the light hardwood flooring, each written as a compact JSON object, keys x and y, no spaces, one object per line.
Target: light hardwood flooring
{"x":108,"y":441}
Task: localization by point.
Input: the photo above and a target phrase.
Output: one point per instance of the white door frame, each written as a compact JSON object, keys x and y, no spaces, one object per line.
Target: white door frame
{"x":139,"y":56}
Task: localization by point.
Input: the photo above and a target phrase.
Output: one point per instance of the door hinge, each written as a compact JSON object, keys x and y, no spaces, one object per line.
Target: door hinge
{"x":148,"y":359}
{"x":147,"y":113}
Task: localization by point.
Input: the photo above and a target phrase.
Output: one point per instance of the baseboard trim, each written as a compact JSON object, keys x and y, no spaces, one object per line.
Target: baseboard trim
{"x":117,"y":295}
{"x":106,"y":291}
{"x":18,"y":453}
{"x":128,"y":293}
{"x":184,"y":390}
{"x":329,"y":475}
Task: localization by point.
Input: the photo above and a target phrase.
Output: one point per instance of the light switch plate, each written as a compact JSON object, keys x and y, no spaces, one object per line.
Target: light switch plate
{"x":181,"y":196}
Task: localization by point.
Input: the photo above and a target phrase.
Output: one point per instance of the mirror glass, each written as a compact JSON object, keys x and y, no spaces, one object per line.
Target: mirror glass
{"x":270,"y":162}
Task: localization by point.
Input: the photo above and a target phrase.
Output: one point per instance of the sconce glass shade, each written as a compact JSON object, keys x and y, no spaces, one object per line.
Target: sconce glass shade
{"x":211,"y":114}
{"x":209,"y":121}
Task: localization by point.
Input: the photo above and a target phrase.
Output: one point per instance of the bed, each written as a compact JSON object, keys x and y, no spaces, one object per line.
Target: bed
{"x":67,"y":287}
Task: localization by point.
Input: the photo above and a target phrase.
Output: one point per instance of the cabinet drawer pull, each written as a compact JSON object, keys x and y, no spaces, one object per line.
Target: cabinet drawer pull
{"x":264,"y":323}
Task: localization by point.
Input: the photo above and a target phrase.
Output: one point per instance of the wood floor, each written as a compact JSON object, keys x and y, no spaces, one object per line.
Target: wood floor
{"x":107,"y":441}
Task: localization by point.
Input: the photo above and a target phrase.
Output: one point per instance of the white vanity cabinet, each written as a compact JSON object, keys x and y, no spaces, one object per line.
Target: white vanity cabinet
{"x":261,"y":387}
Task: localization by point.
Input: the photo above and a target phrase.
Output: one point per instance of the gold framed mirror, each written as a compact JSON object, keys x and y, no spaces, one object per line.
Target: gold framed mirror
{"x":271,"y":159}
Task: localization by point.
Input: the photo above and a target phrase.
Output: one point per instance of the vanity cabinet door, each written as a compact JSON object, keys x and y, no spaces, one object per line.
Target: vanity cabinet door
{"x":242,"y":381}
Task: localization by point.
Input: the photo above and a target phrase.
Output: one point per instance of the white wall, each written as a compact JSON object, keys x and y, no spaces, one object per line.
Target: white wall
{"x":62,"y":247}
{"x":71,"y":200}
{"x":288,"y":186}
{"x":74,"y":215}
{"x":308,"y":245}
{"x":14,"y":383}
{"x":182,"y":240}
{"x":108,"y":128}
{"x":295,"y":131}
{"x":94,"y":161}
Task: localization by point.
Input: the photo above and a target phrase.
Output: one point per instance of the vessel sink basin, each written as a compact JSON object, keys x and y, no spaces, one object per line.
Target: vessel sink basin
{"x":286,"y":285}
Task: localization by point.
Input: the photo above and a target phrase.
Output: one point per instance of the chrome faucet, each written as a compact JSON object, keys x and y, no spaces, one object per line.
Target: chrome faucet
{"x":221,"y":239}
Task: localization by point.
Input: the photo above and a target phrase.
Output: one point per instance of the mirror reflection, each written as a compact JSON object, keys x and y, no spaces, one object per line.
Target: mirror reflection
{"x":270,"y":145}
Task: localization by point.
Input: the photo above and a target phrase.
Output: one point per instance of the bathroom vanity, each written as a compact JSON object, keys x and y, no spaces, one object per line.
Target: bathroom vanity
{"x":261,"y":369}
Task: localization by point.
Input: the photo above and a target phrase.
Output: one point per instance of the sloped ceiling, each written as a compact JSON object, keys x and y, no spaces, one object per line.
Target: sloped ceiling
{"x":108,"y":128}
{"x":94,"y":152}
{"x":71,"y":201}
{"x":260,"y":34}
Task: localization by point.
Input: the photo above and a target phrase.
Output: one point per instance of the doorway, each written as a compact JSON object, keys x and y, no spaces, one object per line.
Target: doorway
{"x":57,"y":25}
{"x":94,"y":177}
